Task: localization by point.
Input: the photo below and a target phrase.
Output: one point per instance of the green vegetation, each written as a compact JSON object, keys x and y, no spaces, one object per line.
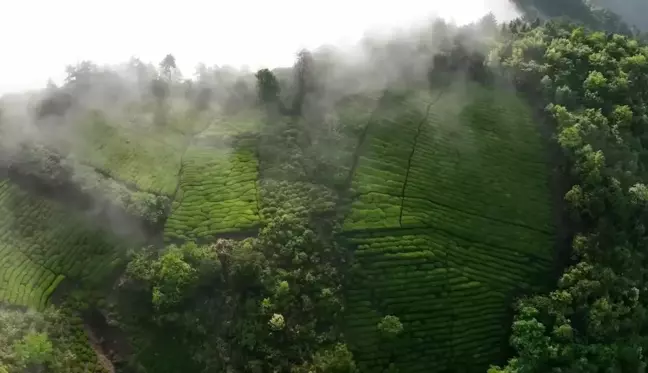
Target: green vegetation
{"x":217,"y":191}
{"x":45,"y":341}
{"x":331,"y":225}
{"x":144,"y":160}
{"x":217,"y":194}
{"x":42,"y":244}
{"x":594,"y":320}
{"x":451,"y":218}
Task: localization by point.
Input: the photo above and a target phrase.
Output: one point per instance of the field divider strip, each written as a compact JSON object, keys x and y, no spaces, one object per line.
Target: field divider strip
{"x":361,"y":140}
{"x":138,"y":132}
{"x":131,"y":186}
{"x":519,"y":225}
{"x":257,"y":181}
{"x":29,"y":258}
{"x":425,"y":227}
{"x":409,"y":159}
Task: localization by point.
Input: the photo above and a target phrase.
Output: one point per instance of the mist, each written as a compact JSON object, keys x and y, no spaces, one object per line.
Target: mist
{"x":102,"y":71}
{"x":40,"y":38}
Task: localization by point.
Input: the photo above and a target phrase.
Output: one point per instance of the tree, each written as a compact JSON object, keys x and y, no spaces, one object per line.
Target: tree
{"x":203,"y":98}
{"x":81,"y":73}
{"x":170,"y":276}
{"x":41,"y":341}
{"x":267,"y":87}
{"x":34,"y":349}
{"x":56,"y":103}
{"x":336,"y":359}
{"x":168,"y":65}
{"x":304,"y":79}
{"x":277,"y":322}
{"x":390,"y":326}
{"x":159,"y":89}
{"x":594,"y":320}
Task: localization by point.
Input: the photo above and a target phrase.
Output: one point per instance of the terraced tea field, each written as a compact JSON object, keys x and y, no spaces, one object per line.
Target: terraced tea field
{"x":217,"y":194}
{"x":451,"y":218}
{"x":217,"y":191}
{"x":451,"y":214}
{"x":147,"y":161}
{"x":42,"y":243}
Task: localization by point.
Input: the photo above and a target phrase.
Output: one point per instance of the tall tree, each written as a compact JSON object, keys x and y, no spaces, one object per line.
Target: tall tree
{"x":168,"y":66}
{"x":267,"y":86}
{"x":304,"y":79}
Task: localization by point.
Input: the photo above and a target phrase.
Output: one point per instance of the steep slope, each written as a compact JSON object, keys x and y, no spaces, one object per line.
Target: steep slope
{"x":451,"y":218}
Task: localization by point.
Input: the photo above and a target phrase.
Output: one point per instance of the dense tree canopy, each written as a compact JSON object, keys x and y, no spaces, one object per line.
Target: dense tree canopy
{"x":596,"y":318}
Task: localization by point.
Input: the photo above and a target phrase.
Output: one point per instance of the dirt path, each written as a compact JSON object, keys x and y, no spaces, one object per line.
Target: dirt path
{"x":96,"y":346}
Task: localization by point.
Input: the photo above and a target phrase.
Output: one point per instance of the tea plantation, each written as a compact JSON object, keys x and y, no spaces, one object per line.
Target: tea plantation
{"x":449,"y":216}
{"x":42,"y":243}
{"x":450,"y":219}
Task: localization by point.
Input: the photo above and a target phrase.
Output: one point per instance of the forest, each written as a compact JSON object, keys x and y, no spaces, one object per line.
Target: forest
{"x":450,"y":199}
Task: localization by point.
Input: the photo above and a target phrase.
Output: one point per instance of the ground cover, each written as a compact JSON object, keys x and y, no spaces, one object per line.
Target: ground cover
{"x":217,"y":190}
{"x":42,"y":243}
{"x":451,"y":219}
{"x":146,"y":160}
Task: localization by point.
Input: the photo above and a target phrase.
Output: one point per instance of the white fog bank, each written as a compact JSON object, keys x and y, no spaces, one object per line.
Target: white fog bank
{"x":40,"y":37}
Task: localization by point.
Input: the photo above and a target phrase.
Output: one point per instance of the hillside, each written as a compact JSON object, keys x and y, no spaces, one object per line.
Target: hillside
{"x":442,"y":211}
{"x":410,"y":213}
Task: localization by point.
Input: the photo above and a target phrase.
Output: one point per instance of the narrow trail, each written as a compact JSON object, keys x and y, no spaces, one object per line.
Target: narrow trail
{"x":411,"y":156}
{"x":499,"y":220}
{"x":361,"y":140}
{"x":132,"y":187}
{"x":426,"y":229}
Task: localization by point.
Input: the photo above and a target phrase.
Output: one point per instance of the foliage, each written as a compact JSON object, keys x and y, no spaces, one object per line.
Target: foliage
{"x":305,"y":81}
{"x":40,"y":245}
{"x":279,"y":292}
{"x":217,"y":193}
{"x":43,"y":341}
{"x":632,"y":11}
{"x":437,"y":222}
{"x":580,"y":11}
{"x":33,"y":349}
{"x":336,"y":359}
{"x":442,"y":194}
{"x":595,"y":320}
{"x":390,"y":326}
{"x":267,"y":86}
